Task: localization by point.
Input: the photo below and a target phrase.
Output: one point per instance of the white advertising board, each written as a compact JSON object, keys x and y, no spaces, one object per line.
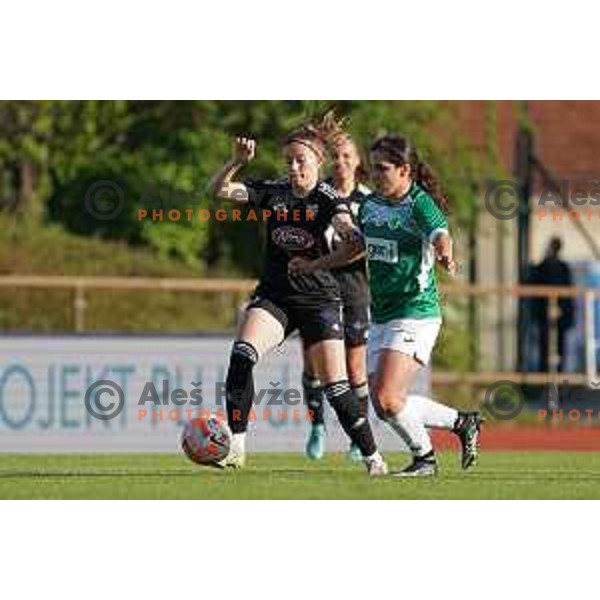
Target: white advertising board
{"x":44,"y":381}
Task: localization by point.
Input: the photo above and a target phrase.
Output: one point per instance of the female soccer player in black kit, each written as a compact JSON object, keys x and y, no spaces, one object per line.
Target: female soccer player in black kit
{"x":354,"y":292}
{"x":298,"y":212}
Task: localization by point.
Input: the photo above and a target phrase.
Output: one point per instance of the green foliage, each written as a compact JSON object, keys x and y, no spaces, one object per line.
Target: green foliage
{"x":147,"y":147}
{"x":171,"y":240}
{"x":58,"y":158}
{"x":49,"y":250}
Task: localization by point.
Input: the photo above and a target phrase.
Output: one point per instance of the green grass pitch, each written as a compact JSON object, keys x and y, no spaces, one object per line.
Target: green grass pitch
{"x":502,"y":475}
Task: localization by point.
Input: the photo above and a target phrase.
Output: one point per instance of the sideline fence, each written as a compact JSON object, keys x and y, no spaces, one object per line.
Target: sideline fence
{"x":239,"y":288}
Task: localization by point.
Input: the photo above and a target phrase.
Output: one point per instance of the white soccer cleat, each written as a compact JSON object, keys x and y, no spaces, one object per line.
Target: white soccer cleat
{"x":376,"y":466}
{"x":234,"y":460}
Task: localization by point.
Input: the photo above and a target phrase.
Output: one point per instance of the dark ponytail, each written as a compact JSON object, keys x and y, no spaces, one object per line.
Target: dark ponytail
{"x":399,"y":151}
{"x":427,"y":179}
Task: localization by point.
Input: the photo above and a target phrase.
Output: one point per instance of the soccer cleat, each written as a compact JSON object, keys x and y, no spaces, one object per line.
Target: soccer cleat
{"x":234,"y":460}
{"x":421,"y":466}
{"x":315,"y":447}
{"x":467,"y":428}
{"x":376,"y":466}
{"x":354,"y":454}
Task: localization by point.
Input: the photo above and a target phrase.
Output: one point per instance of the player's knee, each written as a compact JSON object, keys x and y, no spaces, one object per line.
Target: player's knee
{"x":241,"y":363}
{"x":388,"y":402}
{"x":379,"y":408}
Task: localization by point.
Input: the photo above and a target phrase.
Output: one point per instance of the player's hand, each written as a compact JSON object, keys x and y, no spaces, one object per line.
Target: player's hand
{"x":245,"y":150}
{"x":449,"y":264}
{"x":301,"y":266}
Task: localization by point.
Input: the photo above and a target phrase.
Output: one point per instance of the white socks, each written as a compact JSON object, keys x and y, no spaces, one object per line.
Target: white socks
{"x":376,"y":457}
{"x":238,"y":443}
{"x":433,"y":414}
{"x":418,"y":413}
{"x":409,"y":426}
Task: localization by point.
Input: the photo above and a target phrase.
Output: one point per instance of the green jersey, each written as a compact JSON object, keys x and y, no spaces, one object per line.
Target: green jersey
{"x":400,"y":255}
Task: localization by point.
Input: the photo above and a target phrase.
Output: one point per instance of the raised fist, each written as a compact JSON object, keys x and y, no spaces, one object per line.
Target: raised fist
{"x":245,"y":149}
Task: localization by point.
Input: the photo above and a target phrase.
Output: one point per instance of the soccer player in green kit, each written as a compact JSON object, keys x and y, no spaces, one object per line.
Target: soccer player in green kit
{"x":406,"y":233}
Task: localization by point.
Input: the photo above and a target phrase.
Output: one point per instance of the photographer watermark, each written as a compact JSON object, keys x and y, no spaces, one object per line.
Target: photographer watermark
{"x":570,"y":200}
{"x":161,"y":201}
{"x":105,"y":399}
{"x":505,"y":400}
{"x":221,"y":214}
{"x":104,"y":200}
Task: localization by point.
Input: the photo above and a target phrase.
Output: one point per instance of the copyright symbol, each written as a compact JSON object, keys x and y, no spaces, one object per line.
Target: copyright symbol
{"x":502,"y":199}
{"x":504,"y":400}
{"x":104,"y":200}
{"x":104,"y":411}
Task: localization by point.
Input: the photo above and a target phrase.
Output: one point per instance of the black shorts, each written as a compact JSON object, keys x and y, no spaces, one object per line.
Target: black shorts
{"x":356,"y":324}
{"x":315,"y":322}
{"x":354,"y":291}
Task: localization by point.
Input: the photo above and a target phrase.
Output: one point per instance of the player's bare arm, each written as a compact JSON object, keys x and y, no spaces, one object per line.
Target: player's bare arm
{"x":442,"y":244}
{"x":222,"y":185}
{"x":351,"y":248}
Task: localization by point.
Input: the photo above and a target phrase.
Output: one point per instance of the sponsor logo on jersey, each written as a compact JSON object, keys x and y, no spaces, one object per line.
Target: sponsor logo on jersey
{"x":395,"y":221}
{"x":376,"y":215}
{"x":292,"y":238}
{"x":382,"y":250}
{"x":394,"y":218}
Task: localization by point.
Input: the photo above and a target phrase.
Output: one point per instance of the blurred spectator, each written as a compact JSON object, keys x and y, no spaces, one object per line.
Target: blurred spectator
{"x":552,"y":271}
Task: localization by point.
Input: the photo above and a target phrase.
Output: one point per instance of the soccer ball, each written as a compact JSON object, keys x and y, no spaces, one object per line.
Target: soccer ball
{"x":206,"y":440}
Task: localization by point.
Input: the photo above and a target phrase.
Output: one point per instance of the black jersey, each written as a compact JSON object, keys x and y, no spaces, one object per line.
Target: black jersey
{"x":352,"y":278}
{"x":295,"y":228}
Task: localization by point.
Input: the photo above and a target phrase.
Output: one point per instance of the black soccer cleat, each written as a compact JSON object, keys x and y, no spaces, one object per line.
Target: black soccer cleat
{"x":421,"y":466}
{"x":467,"y":428}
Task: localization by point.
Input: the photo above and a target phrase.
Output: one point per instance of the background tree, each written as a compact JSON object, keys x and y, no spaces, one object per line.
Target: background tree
{"x":160,"y":154}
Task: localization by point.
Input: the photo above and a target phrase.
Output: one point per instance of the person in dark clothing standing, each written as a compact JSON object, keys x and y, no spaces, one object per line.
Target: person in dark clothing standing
{"x":552,"y":271}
